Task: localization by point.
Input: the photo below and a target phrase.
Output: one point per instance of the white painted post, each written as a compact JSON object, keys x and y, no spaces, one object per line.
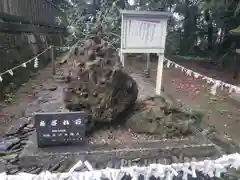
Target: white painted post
{"x":159,"y":74}
{"x":121,"y":53}
{"x":122,"y":58}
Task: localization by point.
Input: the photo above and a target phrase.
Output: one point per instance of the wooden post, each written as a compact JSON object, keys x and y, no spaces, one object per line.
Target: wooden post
{"x":159,"y":74}
{"x":121,"y":53}
{"x":61,"y":40}
{"x":148,"y":61}
{"x":148,"y":65}
{"x":53,"y":61}
{"x":122,"y":58}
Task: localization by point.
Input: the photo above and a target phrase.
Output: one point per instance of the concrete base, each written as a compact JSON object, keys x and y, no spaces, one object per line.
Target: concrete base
{"x":164,"y":151}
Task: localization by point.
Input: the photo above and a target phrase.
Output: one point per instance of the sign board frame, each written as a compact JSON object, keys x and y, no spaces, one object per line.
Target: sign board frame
{"x":50,"y":125}
{"x":144,"y":32}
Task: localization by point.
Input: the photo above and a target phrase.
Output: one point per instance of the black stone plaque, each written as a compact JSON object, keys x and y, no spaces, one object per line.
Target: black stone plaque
{"x":60,"y":128}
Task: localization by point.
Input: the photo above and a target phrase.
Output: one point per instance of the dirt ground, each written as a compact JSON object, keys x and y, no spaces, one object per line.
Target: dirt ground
{"x":223,"y":113}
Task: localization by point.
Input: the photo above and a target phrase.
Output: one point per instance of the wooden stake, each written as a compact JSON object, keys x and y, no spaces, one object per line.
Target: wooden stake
{"x":53,"y":61}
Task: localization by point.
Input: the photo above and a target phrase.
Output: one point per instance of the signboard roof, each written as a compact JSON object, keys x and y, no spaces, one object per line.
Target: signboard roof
{"x":149,"y":14}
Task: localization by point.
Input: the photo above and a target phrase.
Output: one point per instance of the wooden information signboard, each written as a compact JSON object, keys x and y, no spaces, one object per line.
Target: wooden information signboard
{"x":60,"y":128}
{"x":144,"y":32}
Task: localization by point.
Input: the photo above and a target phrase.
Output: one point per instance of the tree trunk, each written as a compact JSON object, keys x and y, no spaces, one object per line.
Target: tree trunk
{"x":186,"y":33}
{"x":122,"y":4}
{"x":210,"y":29}
{"x":210,"y":35}
{"x":220,"y":40}
{"x":142,"y":3}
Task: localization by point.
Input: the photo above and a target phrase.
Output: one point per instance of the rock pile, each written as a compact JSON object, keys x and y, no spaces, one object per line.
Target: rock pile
{"x":12,"y":144}
{"x":157,"y":116}
{"x":101,"y":88}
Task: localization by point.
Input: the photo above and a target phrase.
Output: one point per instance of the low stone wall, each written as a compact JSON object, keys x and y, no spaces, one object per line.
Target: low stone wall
{"x":16,"y":48}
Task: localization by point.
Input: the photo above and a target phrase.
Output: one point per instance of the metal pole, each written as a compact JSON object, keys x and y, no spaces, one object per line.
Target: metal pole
{"x":53,"y":61}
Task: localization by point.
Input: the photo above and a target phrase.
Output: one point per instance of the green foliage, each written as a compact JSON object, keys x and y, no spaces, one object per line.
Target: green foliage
{"x":198,"y":26}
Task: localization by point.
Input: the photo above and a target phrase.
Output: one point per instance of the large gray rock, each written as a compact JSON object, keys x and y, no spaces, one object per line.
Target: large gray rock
{"x":102,"y":89}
